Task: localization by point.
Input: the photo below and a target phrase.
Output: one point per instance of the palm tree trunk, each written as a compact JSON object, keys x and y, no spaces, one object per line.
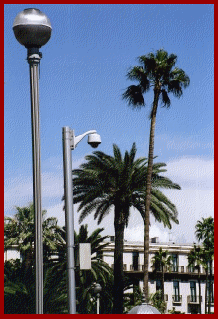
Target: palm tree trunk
{"x":148,"y":192}
{"x":118,"y":264}
{"x":210,"y":290}
{"x":199,"y":285}
{"x":206,"y":290}
{"x":28,"y":259}
{"x":162,"y":294}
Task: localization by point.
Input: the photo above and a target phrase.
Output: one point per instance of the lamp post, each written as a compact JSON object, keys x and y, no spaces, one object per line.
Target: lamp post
{"x":32,"y":28}
{"x":97,"y":290}
{"x":70,"y":141}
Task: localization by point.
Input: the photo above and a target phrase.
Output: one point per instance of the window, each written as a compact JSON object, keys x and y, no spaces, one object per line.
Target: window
{"x":175,"y":262}
{"x":193,"y":291}
{"x":176,"y":291}
{"x":135,"y":260}
{"x":158,"y":285}
{"x":208,"y":292}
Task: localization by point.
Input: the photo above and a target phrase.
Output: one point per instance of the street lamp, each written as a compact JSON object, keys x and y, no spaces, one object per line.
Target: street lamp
{"x":97,"y":290}
{"x":32,"y":28}
{"x":70,"y":141}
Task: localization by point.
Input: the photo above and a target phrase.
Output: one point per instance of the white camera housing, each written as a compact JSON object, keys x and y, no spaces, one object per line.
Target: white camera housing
{"x":94,"y":140}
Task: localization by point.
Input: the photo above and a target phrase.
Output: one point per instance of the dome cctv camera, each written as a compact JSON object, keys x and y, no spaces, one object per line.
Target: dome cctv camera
{"x":94,"y":140}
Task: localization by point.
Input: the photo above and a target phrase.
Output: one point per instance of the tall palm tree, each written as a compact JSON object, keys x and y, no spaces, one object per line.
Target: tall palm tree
{"x":204,"y":231}
{"x":196,"y":259}
{"x":155,"y":71}
{"x":115,"y":182}
{"x":161,"y":261}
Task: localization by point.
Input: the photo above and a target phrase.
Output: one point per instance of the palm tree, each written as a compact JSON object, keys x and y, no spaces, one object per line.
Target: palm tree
{"x":114,"y":182}
{"x":160,"y":262}
{"x":19,"y":289}
{"x":205,"y":233}
{"x":19,"y":231}
{"x":156,"y":301}
{"x":19,"y":285}
{"x":159,"y":72}
{"x":196,"y":259}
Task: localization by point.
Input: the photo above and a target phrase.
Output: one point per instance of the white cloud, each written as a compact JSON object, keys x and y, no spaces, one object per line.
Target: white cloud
{"x":19,"y":189}
{"x":192,"y":172}
{"x":137,"y":233}
{"x":56,"y":211}
{"x":194,"y":201}
{"x":178,"y":143}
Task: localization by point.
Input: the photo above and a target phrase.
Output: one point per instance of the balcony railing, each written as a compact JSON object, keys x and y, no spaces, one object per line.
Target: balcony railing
{"x":171,"y":269}
{"x":211,"y":300}
{"x":194,"y":270}
{"x":179,"y":269}
{"x":193,"y":299}
{"x":182,"y":269}
{"x":177,"y":298}
{"x":139,"y":268}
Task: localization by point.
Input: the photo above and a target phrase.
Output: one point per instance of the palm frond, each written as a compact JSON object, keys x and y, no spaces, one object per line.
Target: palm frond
{"x":165,"y":98}
{"x":134,"y":97}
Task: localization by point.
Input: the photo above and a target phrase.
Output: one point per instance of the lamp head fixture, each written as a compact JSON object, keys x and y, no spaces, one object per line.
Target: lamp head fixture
{"x":97,"y":288}
{"x":32,"y":28}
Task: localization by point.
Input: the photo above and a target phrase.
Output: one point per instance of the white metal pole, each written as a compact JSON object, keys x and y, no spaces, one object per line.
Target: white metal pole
{"x":69,"y":217}
{"x":33,"y":58}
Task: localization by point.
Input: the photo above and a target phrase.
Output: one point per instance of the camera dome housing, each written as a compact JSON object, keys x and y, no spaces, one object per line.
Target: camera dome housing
{"x":32,"y":28}
{"x":94,"y":140}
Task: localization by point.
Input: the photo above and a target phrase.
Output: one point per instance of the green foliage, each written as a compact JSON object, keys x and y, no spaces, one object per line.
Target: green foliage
{"x":173,"y":311}
{"x":205,"y":233}
{"x":19,"y":288}
{"x":157,"y":302}
{"x":100,"y":272}
{"x":19,"y":285}
{"x":116,"y":183}
{"x":156,"y":70}
{"x":132,"y":299}
{"x":161,"y":260}
{"x":19,"y":231}
{"x":105,"y":181}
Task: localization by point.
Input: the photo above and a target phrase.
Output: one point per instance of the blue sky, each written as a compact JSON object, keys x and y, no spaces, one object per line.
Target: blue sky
{"x":82,"y":78}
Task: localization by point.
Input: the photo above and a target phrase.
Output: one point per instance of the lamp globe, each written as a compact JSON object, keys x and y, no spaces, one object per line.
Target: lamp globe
{"x":32,"y":28}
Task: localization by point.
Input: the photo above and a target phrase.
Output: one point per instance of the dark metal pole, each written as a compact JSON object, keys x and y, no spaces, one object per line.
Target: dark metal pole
{"x":69,"y":217}
{"x":33,"y":58}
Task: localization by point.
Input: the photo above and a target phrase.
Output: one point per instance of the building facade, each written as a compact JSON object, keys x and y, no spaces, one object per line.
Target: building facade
{"x":181,"y":283}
